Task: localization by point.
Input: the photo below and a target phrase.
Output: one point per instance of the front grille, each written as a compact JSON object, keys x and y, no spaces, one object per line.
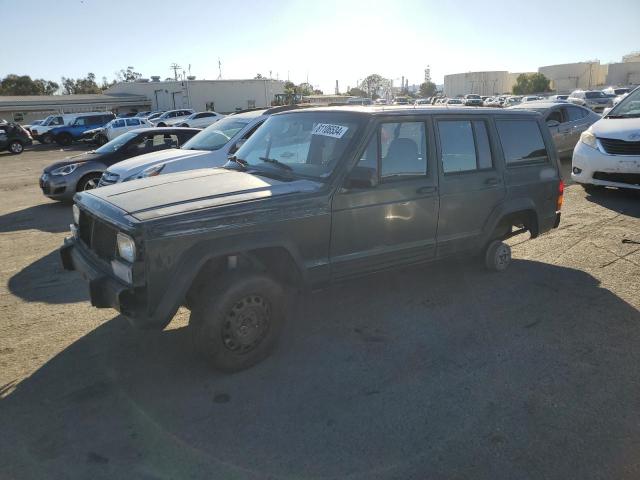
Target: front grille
{"x":97,"y":236}
{"x":628,"y":178}
{"x":614,"y":146}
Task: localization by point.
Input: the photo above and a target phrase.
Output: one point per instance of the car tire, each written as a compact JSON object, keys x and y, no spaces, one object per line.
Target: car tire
{"x":47,"y":139}
{"x":101,"y":139}
{"x":236,"y":323}
{"x":88,"y":182}
{"x":15,"y":147}
{"x":497,"y":256}
{"x":64,"y":139}
{"x":161,"y":124}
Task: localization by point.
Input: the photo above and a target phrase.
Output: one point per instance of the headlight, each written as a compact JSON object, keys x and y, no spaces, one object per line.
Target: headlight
{"x":126,"y":247}
{"x":76,"y":214}
{"x":589,"y":139}
{"x":152,"y":171}
{"x":66,"y":170}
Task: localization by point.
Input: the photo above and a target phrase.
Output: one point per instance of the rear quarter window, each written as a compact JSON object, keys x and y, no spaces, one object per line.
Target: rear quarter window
{"x":521,"y":141}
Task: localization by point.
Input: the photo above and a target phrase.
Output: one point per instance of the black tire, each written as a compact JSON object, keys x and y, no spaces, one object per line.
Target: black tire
{"x":101,"y":139}
{"x":15,"y":147}
{"x":497,"y":256}
{"x":161,"y":124}
{"x":47,"y":139}
{"x":64,"y":139}
{"x":88,"y":182}
{"x":236,"y":322}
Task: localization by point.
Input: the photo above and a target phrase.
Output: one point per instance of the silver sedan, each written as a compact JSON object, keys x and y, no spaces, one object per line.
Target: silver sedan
{"x":566,"y":122}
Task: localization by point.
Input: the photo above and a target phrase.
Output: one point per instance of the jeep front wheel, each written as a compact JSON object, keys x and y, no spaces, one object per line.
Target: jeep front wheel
{"x":236,"y":322}
{"x":16,"y":147}
{"x":64,"y":139}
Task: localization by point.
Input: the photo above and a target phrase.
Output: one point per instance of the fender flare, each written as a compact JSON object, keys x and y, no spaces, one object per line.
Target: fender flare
{"x":192,"y":261}
{"x":507,"y":208}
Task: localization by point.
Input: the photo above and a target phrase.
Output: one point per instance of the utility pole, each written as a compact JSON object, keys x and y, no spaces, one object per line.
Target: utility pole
{"x":219,"y":69}
{"x":337,"y":89}
{"x":175,"y":67}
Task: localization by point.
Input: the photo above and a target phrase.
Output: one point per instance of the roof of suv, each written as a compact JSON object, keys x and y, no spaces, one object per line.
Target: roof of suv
{"x":417,"y":110}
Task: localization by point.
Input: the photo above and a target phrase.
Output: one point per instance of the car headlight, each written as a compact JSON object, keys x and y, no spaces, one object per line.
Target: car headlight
{"x":589,"y":139}
{"x":126,"y":247}
{"x":76,"y":214}
{"x":66,"y":170}
{"x":152,"y":171}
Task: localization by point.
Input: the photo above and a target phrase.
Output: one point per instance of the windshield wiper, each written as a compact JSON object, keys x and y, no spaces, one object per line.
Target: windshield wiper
{"x":277,"y":163}
{"x":628,"y":115}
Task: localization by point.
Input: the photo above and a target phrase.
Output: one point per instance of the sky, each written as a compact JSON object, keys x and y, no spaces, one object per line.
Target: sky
{"x":321,"y":41}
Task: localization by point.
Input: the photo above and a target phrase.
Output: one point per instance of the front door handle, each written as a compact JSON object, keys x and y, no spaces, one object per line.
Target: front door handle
{"x":423,"y":190}
{"x":492,"y":181}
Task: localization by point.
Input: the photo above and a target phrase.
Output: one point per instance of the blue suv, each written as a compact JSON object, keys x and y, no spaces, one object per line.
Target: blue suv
{"x":66,"y":134}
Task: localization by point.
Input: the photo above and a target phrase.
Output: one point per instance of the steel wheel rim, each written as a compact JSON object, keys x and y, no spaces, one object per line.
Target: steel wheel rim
{"x":503,"y":256}
{"x":246,"y":324}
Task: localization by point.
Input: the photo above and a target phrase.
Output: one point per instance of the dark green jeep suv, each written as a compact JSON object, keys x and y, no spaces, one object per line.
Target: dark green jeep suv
{"x":312,"y":197}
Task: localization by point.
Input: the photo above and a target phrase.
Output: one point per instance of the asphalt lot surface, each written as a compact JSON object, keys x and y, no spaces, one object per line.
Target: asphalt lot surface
{"x":437,"y":372}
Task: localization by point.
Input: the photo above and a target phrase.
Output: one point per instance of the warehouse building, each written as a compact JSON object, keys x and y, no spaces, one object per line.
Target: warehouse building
{"x":481,"y":83}
{"x":27,"y":108}
{"x":223,"y":96}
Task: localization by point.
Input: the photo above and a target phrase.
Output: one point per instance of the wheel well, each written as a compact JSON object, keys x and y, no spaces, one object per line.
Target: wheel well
{"x":276,"y":261}
{"x":524,"y":220}
{"x":84,"y":177}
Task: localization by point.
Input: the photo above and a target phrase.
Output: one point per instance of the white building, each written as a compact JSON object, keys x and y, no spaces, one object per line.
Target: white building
{"x":223,"y":96}
{"x":622,"y":74}
{"x":572,"y":76}
{"x":481,"y":83}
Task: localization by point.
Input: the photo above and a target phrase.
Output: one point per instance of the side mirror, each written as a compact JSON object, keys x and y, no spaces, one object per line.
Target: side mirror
{"x":552,"y":123}
{"x":362,"y":177}
{"x":236,"y":146}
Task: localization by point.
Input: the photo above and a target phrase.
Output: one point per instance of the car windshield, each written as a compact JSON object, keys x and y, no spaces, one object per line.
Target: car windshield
{"x":217,"y":135}
{"x":595,"y":94}
{"x":628,"y":107}
{"x":116,"y":143}
{"x":304,"y":144}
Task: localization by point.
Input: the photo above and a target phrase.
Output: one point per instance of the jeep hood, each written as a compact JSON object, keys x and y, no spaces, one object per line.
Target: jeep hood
{"x":163,"y":195}
{"x":618,"y":128}
{"x":134,"y":165}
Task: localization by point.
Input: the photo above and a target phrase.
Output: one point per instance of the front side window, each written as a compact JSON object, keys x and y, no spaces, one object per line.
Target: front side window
{"x":521,"y":141}
{"x":403,"y":148}
{"x":464,"y":146}
{"x":305,"y":144}
{"x":575,"y":113}
{"x":118,"y":123}
{"x":132,"y":122}
{"x":80,"y":121}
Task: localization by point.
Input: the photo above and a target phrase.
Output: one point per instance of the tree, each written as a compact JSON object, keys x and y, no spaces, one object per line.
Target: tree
{"x":128,"y":75}
{"x":258,"y":77}
{"x":305,"y":89}
{"x":428,"y":89}
{"x":357,"y":92}
{"x":374,"y":84}
{"x":531,"y":83}
{"x":80,"y":85}
{"x":23,"y":85}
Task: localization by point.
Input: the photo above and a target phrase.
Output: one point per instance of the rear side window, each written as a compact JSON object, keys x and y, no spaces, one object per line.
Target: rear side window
{"x":118,"y":124}
{"x":521,"y":141}
{"x":464,"y":146}
{"x":132,"y":121}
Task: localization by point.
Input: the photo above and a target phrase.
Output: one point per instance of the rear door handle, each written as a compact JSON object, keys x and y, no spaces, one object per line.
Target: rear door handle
{"x":492,"y":181}
{"x":423,"y":190}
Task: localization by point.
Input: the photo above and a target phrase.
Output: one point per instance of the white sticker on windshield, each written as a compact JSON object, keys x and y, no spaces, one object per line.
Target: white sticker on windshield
{"x":328,"y":130}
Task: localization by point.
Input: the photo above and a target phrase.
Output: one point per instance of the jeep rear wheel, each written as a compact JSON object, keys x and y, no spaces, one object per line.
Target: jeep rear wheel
{"x":16,"y":147}
{"x":497,"y":256}
{"x":47,"y":139}
{"x":236,"y":322}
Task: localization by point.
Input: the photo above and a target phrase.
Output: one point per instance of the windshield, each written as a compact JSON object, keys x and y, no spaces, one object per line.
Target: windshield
{"x":595,"y":94}
{"x":116,"y":143}
{"x":628,"y":107}
{"x":217,"y":135}
{"x":305,"y":144}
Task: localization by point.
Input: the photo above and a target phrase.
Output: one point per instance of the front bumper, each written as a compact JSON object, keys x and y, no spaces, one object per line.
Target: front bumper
{"x":600,"y":168}
{"x":56,"y":187}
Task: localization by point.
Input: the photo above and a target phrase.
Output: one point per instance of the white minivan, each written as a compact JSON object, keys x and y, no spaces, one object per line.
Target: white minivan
{"x":608,"y":153}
